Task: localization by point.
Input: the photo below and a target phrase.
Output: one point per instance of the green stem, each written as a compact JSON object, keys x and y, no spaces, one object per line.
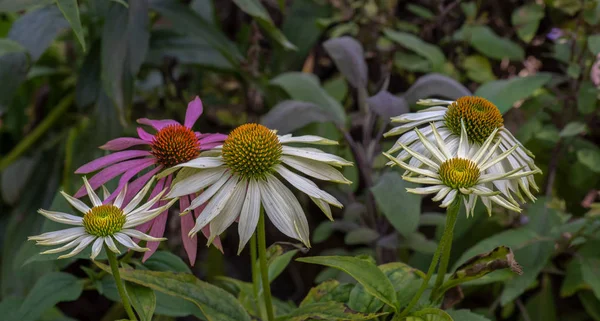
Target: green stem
{"x":255,"y":273}
{"x":114,"y":267}
{"x":450,"y":220}
{"x":451,"y":216}
{"x":38,"y":132}
{"x":264,"y":268}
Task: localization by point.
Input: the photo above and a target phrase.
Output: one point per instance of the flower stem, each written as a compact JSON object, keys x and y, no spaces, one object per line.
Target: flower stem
{"x":446,"y":237}
{"x":114,"y":267}
{"x":264,"y":268}
{"x":255,"y":273}
{"x":451,"y":216}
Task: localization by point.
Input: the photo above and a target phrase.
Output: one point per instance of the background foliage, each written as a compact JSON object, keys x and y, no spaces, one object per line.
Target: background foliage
{"x":75,"y":74}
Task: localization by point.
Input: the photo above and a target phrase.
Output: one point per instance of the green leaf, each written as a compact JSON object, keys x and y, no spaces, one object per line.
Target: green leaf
{"x":317,"y":293}
{"x":9,"y":307}
{"x":258,"y":12}
{"x":478,"y":68}
{"x":89,"y":85}
{"x":71,"y":12}
{"x":166,"y":261}
{"x":411,"y":42}
{"x":590,"y":266}
{"x":322,"y":232}
{"x":49,"y":290}
{"x":587,"y":97}
{"x":9,"y":46}
{"x":526,"y":19}
{"x":420,"y":11}
{"x":573,"y":281}
{"x":593,"y":42}
{"x":364,"y":271}
{"x":18,"y":5}
{"x":142,"y":299}
{"x":590,"y":304}
{"x":432,"y":314}
{"x":466,"y":315}
{"x":572,"y":129}
{"x":361,"y":235}
{"x":215,"y":303}
{"x":328,"y":311}
{"x":504,"y":93}
{"x":290,"y":115}
{"x":487,"y":42}
{"x":568,"y":6}
{"x":348,"y":56}
{"x":542,"y":306}
{"x":411,"y":62}
{"x":590,"y":158}
{"x":499,"y":258}
{"x":305,"y":87}
{"x":36,"y":29}
{"x":400,"y":207}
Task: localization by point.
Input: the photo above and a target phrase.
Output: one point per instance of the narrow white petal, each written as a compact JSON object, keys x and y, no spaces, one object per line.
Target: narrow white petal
{"x":434,"y":102}
{"x":58,"y":237}
{"x":215,"y":205}
{"x":121,"y":197}
{"x":416,"y":170}
{"x":425,"y":190}
{"x":142,"y":236}
{"x":283,"y":209}
{"x":129,"y":243}
{"x":208,"y":193}
{"x":504,"y":203}
{"x":324,"y":206}
{"x":306,"y":186}
{"x":307,"y":139}
{"x":111,"y":244}
{"x":67,"y":246}
{"x":105,"y":192}
{"x":440,"y":142}
{"x":432,"y":149}
{"x":441,"y":194}
{"x":79,"y":205}
{"x":91,"y":194}
{"x":449,"y":198}
{"x":230,"y":212}
{"x":97,"y":247}
{"x":416,"y":117}
{"x":314,"y":155}
{"x":249,"y":214}
{"x":422,"y":180}
{"x":421,"y":158}
{"x":82,"y":245}
{"x":138,"y":197}
{"x":484,"y":147}
{"x":200,"y":162}
{"x":463,"y":143}
{"x":137,"y":218}
{"x":62,"y":217}
{"x":195,"y":182}
{"x":496,"y":159}
{"x":315,"y":169}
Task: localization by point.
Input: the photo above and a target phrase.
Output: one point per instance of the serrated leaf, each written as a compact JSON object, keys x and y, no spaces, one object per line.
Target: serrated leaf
{"x":348,"y":56}
{"x":401,"y":208}
{"x":71,"y":12}
{"x":216,"y":304}
{"x":364,"y":271}
{"x":328,"y":311}
{"x":504,"y":93}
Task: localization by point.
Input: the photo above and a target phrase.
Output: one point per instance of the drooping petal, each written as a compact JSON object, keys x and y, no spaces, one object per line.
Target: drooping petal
{"x":315,"y":155}
{"x":82,"y":245}
{"x":208,"y":193}
{"x":129,"y":174}
{"x":123,"y":143}
{"x":157,"y":124}
{"x":110,"y":159}
{"x":211,"y":139}
{"x":69,"y":245}
{"x":216,"y":204}
{"x":195,"y":182}
{"x":111,"y":244}
{"x":109,"y":173}
{"x":194,"y":110}
{"x":230,"y":211}
{"x":159,"y":225}
{"x":141,"y":236}
{"x":249,"y":214}
{"x":97,"y":247}
{"x":315,"y":169}
{"x":58,"y":237}
{"x":128,"y":242}
{"x":307,"y":186}
{"x":306,"y":139}
{"x":190,"y":243}
{"x":144,"y":135}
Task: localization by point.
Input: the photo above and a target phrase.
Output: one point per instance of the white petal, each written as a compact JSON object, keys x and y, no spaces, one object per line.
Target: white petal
{"x":105,"y":192}
{"x":142,"y":236}
{"x":111,"y":244}
{"x":97,"y":247}
{"x":441,"y":194}
{"x":463,"y":143}
{"x":432,"y":149}
{"x":416,"y":170}
{"x":195,"y":182}
{"x":422,"y":180}
{"x":283,"y":209}
{"x":496,"y":159}
{"x":144,"y":207}
{"x":121,"y":197}
{"x":200,"y":162}
{"x":215,"y":205}
{"x":82,"y":245}
{"x":504,"y":203}
{"x":416,"y":117}
{"x":484,"y":147}
{"x":79,"y":205}
{"x":230,"y":212}
{"x":62,"y":217}
{"x":58,"y":237}
{"x":434,"y":102}
{"x":67,"y":246}
{"x":137,"y":218}
{"x":128,"y":242}
{"x":138,"y":197}
{"x":307,"y":139}
{"x":306,"y":186}
{"x":421,"y":158}
{"x":324,"y":206}
{"x":317,"y":156}
{"x":425,"y":190}
{"x":91,"y":194}
{"x":315,"y":169}
{"x":449,"y":198}
{"x":208,"y":193}
{"x":249,"y":214}
{"x":440,"y":142}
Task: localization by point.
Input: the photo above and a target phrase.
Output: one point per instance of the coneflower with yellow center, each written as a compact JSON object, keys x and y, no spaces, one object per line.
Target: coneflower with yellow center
{"x":239,"y":177}
{"x":481,"y":119}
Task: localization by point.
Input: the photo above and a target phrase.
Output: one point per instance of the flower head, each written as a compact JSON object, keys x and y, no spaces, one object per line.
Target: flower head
{"x":481,"y":119}
{"x":461,"y":171}
{"x":101,"y":224}
{"x":240,"y":176}
{"x":172,"y":144}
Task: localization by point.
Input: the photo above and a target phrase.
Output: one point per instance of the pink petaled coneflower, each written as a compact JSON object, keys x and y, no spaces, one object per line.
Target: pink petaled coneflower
{"x":172,"y":144}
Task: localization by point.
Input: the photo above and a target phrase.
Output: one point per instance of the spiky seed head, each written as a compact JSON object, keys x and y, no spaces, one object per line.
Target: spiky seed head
{"x":480,"y":116}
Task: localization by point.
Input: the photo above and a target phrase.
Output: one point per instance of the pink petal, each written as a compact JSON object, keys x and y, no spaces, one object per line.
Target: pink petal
{"x":123,"y":143}
{"x":128,"y":175}
{"x":158,"y":227}
{"x":110,"y":159}
{"x":144,"y":135}
{"x":157,"y":188}
{"x":212,"y":138}
{"x":209,"y":146}
{"x":187,"y":223}
{"x":138,"y":183}
{"x":194,"y":110}
{"x":157,"y":124}
{"x":109,"y":173}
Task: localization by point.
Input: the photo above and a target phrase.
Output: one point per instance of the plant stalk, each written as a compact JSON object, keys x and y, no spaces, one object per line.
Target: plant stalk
{"x":446,"y":237}
{"x":264,"y":268}
{"x":255,"y":274}
{"x":451,"y":216}
{"x":114,"y":267}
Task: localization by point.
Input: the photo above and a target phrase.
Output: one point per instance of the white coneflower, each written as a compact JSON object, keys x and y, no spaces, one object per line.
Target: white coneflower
{"x":102,"y":223}
{"x":238,"y":179}
{"x":481,"y":119}
{"x":454,"y":171}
